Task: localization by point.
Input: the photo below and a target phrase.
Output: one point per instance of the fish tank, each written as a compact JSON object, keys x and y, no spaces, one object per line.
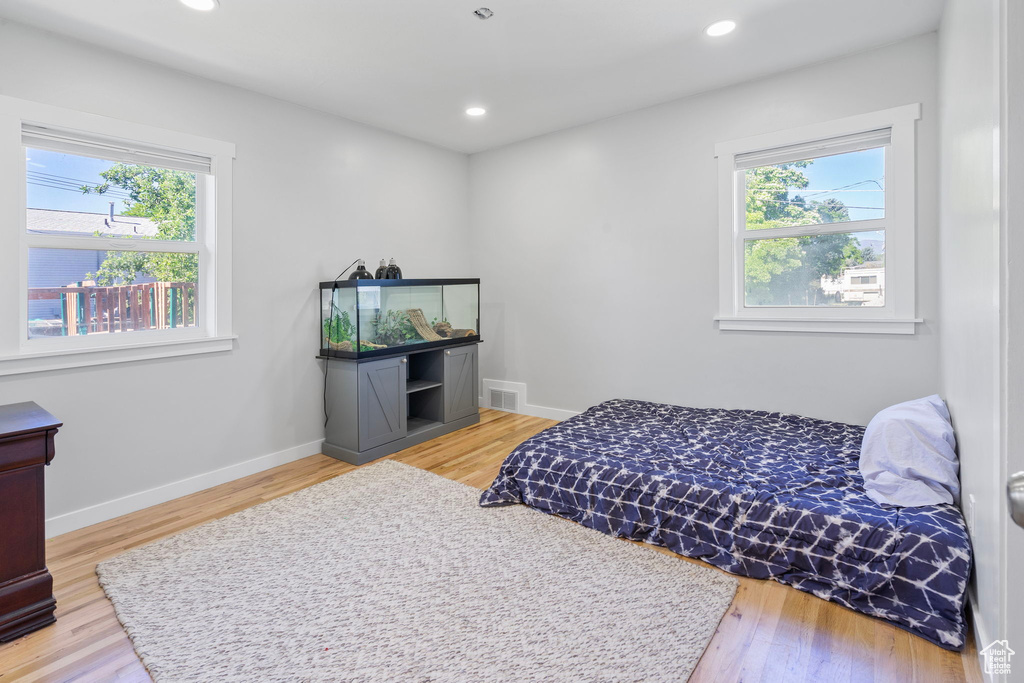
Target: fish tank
{"x":368,"y":318}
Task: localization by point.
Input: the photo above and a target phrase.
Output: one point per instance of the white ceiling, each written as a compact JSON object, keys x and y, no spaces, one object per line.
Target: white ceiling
{"x":413,"y":66}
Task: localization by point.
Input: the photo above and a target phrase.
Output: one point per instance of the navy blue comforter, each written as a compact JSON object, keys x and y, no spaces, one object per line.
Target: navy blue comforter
{"x":766,"y":495}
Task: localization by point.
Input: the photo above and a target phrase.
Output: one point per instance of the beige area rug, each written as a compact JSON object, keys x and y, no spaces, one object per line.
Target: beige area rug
{"x":391,"y":573}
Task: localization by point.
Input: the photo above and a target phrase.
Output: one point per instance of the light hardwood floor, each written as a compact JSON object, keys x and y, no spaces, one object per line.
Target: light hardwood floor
{"x":771,"y":632}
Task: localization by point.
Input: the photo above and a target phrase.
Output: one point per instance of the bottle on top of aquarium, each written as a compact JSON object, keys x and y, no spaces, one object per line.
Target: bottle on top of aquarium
{"x":360,"y":273}
{"x":382,"y":271}
{"x":393,"y":272}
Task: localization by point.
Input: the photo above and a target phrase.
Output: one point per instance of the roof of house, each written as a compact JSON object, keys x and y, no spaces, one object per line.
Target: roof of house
{"x":55,"y":222}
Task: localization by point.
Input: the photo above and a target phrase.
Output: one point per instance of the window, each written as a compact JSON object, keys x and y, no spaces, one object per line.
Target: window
{"x":120,"y":238}
{"x":817,"y":227}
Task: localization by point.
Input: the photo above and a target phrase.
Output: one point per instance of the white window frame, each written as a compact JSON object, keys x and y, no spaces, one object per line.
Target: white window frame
{"x":18,"y":353}
{"x":898,"y":315}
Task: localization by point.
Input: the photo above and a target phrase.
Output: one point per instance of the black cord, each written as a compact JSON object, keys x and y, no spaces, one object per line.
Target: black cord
{"x":342,"y":273}
{"x":327,"y":360}
{"x":330,"y":333}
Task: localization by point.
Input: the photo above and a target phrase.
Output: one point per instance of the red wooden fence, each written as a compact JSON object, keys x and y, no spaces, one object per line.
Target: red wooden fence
{"x":150,"y":306}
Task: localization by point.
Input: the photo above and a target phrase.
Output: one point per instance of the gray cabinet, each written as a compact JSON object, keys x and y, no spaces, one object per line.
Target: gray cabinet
{"x":460,"y":383}
{"x":380,"y":406}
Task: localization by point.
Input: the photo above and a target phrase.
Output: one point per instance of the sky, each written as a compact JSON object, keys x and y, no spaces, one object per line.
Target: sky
{"x":864,"y":170}
{"x":54,"y":181}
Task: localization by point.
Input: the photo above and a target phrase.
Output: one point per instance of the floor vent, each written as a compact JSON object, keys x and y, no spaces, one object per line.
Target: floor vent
{"x":504,"y":400}
{"x":499,"y":394}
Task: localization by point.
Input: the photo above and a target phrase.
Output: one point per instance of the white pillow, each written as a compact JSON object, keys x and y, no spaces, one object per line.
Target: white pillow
{"x":907,"y":457}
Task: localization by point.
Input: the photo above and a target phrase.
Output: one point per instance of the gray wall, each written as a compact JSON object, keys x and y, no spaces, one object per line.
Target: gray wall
{"x":971,"y":300}
{"x":599,"y":246}
{"x":312,"y":192}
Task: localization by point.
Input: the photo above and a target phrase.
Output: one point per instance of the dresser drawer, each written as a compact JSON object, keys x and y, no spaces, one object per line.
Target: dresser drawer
{"x":25,"y":450}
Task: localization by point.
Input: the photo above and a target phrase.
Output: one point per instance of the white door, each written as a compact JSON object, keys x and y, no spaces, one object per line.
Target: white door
{"x":1012,"y":192}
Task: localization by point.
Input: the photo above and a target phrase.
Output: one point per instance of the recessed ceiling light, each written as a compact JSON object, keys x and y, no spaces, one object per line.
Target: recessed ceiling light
{"x":201,"y":5}
{"x":720,"y":28}
{"x":476,"y":111}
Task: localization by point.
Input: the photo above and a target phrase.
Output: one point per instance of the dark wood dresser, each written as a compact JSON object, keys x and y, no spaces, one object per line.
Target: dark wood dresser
{"x":26,"y":587}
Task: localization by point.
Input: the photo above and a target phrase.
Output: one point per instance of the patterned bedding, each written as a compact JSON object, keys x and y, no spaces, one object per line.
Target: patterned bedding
{"x":766,"y":495}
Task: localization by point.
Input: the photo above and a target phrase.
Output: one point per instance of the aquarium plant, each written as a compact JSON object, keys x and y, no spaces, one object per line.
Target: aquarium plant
{"x":339,"y":328}
{"x":394,"y":328}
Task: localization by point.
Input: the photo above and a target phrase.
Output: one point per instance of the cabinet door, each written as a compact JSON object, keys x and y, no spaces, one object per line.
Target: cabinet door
{"x":382,"y":407}
{"x":460,"y":382}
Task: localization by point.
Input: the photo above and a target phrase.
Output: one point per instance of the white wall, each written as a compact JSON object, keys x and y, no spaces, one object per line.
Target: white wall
{"x":599,"y":249}
{"x":970,"y":247}
{"x":312,"y":192}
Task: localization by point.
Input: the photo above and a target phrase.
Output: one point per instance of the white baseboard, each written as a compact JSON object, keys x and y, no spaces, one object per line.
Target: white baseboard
{"x":101,"y":512}
{"x":539,"y":411}
{"x":982,"y":638}
{"x":549,"y":413}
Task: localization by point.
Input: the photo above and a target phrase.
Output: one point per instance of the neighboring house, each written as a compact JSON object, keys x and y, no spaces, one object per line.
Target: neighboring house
{"x":62,"y":267}
{"x":54,"y":222}
{"x":863,"y":284}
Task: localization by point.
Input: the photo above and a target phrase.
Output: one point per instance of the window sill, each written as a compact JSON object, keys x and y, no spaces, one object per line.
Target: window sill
{"x":828,"y":325}
{"x":83,"y":357}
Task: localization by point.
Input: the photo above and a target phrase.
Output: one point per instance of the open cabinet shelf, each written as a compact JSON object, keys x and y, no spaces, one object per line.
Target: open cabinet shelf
{"x":420,"y":385}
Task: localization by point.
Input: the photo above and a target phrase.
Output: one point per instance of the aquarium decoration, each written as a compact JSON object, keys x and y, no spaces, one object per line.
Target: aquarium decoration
{"x":419,"y":323}
{"x":444,"y":330}
{"x":395,"y":328}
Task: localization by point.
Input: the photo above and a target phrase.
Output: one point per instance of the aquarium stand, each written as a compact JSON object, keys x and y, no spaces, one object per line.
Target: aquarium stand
{"x":381,"y":405}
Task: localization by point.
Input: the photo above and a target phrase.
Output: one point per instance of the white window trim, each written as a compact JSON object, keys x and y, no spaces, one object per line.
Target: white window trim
{"x":20,"y":355}
{"x":898,"y":316}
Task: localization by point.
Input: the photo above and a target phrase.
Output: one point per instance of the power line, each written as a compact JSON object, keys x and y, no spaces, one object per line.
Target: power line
{"x":851,"y":185}
{"x":59,"y":186}
{"x":75,"y":184}
{"x":844,"y":206}
{"x":65,"y":182}
{"x":63,"y":177}
{"x":73,"y":187}
{"x":70,"y":189}
{"x":841,"y":188}
{"x":835,"y":190}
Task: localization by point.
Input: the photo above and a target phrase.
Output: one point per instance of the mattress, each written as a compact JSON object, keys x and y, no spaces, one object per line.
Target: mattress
{"x":765,"y":495}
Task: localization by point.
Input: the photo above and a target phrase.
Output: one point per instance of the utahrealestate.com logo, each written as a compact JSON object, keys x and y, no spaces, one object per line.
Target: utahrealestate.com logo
{"x":997,"y":657}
